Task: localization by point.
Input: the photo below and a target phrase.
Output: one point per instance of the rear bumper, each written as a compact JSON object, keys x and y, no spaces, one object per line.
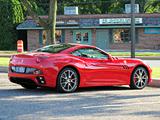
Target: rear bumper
{"x":22,"y":81}
{"x":29,"y":79}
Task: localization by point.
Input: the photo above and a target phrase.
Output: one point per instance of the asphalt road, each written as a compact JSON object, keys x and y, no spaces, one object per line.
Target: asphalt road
{"x":105,"y":103}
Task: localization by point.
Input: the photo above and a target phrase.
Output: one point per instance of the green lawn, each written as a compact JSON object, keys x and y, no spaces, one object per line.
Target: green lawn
{"x":4,"y":61}
{"x":155,"y":74}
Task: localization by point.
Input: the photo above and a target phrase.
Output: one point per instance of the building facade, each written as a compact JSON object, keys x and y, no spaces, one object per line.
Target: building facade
{"x":107,"y":31}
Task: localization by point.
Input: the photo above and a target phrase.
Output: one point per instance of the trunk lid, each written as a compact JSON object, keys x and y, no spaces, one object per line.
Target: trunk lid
{"x":29,"y":59}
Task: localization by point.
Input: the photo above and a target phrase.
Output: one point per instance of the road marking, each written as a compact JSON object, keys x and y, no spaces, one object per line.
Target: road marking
{"x":120,"y":105}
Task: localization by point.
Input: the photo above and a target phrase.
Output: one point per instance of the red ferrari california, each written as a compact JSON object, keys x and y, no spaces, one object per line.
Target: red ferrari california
{"x":67,"y":67}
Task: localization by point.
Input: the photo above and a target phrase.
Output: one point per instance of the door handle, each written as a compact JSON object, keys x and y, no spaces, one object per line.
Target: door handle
{"x":94,"y":64}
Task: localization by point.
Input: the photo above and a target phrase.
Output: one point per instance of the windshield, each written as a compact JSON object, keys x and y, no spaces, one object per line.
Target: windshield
{"x":54,"y":48}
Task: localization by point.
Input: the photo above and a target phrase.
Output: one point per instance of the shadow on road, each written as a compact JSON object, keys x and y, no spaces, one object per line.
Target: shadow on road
{"x":44,"y":91}
{"x":103,"y":88}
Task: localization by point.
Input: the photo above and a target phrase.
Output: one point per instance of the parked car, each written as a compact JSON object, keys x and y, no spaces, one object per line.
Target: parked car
{"x":67,"y":67}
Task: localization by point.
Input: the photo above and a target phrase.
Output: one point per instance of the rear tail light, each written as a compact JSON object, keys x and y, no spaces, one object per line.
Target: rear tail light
{"x":33,"y":71}
{"x":25,"y":70}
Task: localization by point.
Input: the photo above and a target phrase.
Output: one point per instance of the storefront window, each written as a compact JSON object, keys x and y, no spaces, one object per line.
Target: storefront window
{"x":85,"y":37}
{"x":82,"y":36}
{"x":58,"y":36}
{"x":121,"y":36}
{"x":78,"y":36}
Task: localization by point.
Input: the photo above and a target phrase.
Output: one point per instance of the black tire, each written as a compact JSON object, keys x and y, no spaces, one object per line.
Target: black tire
{"x":27,"y":86}
{"x":139,"y":78}
{"x":67,"y":81}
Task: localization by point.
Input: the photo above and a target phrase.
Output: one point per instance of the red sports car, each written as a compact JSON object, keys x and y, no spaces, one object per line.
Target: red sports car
{"x":67,"y":67}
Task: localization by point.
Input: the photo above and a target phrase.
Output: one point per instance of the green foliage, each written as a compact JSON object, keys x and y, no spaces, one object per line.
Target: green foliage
{"x":17,"y":11}
{"x":36,"y":6}
{"x":149,"y":6}
{"x":108,"y":6}
{"x":11,"y":15}
{"x":85,"y":6}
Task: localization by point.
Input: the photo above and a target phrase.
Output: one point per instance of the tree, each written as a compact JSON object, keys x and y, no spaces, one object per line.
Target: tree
{"x":108,"y":6}
{"x":11,"y":15}
{"x":149,"y":6}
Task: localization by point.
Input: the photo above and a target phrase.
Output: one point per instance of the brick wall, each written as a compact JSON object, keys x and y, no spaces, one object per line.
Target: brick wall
{"x":33,"y":39}
{"x":68,"y":36}
{"x":145,"y":41}
{"x":148,"y":41}
{"x":120,"y":46}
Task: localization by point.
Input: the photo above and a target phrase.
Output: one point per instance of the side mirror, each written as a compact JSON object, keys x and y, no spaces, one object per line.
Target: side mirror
{"x":110,"y":57}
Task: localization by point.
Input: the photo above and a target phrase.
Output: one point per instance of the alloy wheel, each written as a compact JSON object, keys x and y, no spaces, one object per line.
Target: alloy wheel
{"x":140,"y":78}
{"x":68,"y":80}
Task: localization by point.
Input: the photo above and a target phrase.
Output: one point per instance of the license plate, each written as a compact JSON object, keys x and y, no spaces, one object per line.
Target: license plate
{"x":20,"y":69}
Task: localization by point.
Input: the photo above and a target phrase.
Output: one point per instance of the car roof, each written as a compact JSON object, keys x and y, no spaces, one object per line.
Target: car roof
{"x":76,"y":46}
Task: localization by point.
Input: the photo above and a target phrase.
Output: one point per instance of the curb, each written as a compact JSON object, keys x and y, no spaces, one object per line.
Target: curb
{"x":154,"y":83}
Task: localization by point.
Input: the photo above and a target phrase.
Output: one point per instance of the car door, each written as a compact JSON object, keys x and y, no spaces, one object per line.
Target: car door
{"x":100,"y":69}
{"x":117,"y":72}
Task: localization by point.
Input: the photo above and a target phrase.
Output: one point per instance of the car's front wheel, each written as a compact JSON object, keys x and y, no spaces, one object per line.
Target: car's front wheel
{"x":139,"y":78}
{"x":68,"y":80}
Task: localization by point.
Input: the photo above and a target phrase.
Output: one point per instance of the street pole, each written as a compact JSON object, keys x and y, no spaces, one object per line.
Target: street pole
{"x":52,"y":20}
{"x":132,"y":29}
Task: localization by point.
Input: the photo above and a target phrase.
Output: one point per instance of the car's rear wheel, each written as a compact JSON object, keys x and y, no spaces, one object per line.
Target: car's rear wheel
{"x":68,"y":80}
{"x":27,"y":86}
{"x":139,"y":78}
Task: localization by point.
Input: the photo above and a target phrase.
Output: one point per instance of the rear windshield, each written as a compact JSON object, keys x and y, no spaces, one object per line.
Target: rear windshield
{"x":54,"y":48}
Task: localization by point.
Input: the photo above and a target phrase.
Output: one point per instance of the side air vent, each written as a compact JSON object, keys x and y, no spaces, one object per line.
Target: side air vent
{"x":125,"y":67}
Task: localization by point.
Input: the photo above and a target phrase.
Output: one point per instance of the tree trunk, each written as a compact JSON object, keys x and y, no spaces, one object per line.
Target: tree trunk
{"x":52,"y":21}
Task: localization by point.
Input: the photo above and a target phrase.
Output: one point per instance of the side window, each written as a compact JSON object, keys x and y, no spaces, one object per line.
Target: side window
{"x":76,"y":53}
{"x":90,"y":53}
